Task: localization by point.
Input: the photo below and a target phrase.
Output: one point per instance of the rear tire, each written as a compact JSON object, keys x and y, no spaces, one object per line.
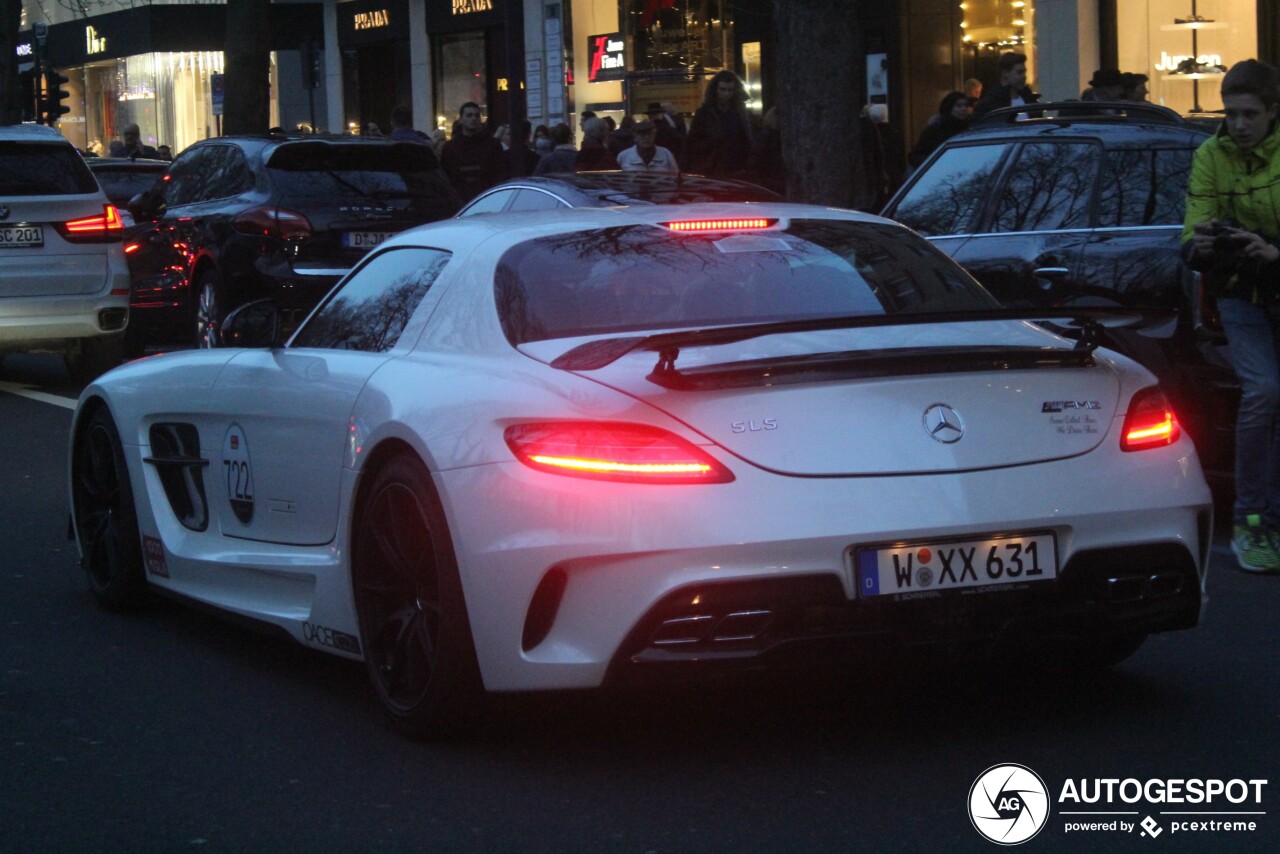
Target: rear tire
{"x":105,"y":516}
{"x":414,"y":628}
{"x":210,"y":308}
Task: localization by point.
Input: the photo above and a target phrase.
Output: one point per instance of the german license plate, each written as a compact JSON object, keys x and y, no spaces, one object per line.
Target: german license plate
{"x":21,"y":236}
{"x":967,"y":565}
{"x":365,"y":239}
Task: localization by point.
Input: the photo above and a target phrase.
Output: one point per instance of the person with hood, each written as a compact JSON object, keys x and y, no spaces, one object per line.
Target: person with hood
{"x":1231,"y":234}
{"x":719,"y":140}
{"x":594,"y":154}
{"x":953,"y":116}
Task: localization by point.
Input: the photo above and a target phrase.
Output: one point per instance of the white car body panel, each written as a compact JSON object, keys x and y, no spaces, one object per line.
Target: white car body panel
{"x":312,"y":420}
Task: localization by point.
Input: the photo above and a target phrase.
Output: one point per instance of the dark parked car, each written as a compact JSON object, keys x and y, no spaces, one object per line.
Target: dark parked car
{"x":610,"y":188}
{"x":123,"y":178}
{"x":1084,"y":206}
{"x":235,"y":219}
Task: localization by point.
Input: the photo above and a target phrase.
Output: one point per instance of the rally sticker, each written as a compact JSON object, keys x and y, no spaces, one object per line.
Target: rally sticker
{"x":153,"y":553}
{"x":239,"y":473}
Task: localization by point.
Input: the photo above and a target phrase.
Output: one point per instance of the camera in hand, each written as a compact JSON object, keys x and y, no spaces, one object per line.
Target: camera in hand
{"x":1227,"y":243}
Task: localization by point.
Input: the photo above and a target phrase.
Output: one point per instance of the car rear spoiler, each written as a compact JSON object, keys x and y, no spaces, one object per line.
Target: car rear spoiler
{"x":1092,"y":323}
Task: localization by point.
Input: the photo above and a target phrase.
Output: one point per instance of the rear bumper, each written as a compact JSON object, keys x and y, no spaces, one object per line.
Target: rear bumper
{"x":807,"y":620}
{"x":36,"y":323}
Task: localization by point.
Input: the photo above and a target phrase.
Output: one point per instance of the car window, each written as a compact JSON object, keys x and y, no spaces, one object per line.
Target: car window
{"x":185,"y":182}
{"x":346,"y":174}
{"x":43,"y":169}
{"x":492,"y":203}
{"x":947,"y":197}
{"x":372,"y":307}
{"x":229,"y":174}
{"x":1143,"y":187}
{"x":634,"y":277}
{"x":535,"y":200}
{"x":1050,"y":187}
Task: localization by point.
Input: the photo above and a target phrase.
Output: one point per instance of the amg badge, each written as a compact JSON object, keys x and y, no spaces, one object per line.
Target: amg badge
{"x":1064,"y":405}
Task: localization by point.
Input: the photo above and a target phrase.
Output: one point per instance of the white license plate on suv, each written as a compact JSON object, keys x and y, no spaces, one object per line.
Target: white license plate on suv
{"x":21,"y":236}
{"x":926,"y":568}
{"x":365,"y":239}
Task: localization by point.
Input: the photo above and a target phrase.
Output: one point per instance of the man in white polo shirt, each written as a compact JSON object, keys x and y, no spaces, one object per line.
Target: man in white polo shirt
{"x":646,"y":155}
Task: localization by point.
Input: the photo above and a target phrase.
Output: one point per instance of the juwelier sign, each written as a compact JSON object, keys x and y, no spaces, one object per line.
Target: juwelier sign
{"x":608,"y":58}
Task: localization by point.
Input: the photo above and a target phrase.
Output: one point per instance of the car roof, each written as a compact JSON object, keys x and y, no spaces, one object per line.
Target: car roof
{"x":508,"y":229}
{"x":618,"y":187}
{"x":1118,"y":124}
{"x":31,"y":133}
{"x":142,"y":164}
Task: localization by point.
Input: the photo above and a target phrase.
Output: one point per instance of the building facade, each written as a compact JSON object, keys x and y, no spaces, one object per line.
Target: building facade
{"x":159,"y":64}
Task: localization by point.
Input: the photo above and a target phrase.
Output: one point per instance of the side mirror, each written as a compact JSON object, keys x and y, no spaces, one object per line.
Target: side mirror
{"x":254,"y":324}
{"x":145,"y":207}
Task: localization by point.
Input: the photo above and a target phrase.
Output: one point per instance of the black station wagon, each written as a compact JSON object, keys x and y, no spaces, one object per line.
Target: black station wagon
{"x":1083,"y":205}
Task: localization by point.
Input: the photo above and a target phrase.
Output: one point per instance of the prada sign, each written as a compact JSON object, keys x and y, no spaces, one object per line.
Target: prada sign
{"x":453,"y":16}
{"x":370,"y":21}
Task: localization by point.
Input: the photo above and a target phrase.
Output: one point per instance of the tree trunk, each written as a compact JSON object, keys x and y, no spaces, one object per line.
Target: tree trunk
{"x":10,"y":94}
{"x":820,"y":82}
{"x":246,"y":106}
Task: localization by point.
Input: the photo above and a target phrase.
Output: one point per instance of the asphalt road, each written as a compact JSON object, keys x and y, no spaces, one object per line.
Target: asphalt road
{"x":173,"y":730}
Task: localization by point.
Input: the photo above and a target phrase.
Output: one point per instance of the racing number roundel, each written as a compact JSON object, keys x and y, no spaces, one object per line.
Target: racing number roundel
{"x":239,"y":473}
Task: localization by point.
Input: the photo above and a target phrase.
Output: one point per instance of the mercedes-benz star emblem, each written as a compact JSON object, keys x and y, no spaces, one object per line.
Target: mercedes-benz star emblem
{"x":4,"y":212}
{"x":943,"y":424}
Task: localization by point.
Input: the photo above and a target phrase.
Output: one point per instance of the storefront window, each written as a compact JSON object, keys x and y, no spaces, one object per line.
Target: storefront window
{"x":1185,"y":46}
{"x":167,"y":95}
{"x":461,"y":76}
{"x":992,"y":27}
{"x":676,"y":45}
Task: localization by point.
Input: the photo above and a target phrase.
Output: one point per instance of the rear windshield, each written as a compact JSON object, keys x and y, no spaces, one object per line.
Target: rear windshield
{"x":43,"y":169}
{"x":121,"y":185}
{"x":644,"y":277}
{"x":322,"y":171}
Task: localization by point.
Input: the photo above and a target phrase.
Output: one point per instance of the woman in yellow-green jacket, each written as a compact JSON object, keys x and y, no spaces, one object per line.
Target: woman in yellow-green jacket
{"x":1232,"y":235}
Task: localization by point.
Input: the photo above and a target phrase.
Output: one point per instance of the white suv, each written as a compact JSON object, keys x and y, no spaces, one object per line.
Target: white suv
{"x":64,"y":283}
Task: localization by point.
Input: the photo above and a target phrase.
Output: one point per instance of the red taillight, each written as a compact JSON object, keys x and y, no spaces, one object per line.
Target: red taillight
{"x":719,"y":224}
{"x":97,"y":228}
{"x":273,"y":222}
{"x":631,"y":453}
{"x":1150,"y":422}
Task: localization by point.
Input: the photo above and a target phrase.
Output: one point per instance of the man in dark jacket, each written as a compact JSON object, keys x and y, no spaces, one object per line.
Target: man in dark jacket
{"x":473,"y":160}
{"x":1012,"y":91}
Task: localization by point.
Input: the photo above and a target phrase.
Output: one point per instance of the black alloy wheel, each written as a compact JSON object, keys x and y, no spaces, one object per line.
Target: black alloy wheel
{"x":105,"y":517}
{"x":413,"y":621}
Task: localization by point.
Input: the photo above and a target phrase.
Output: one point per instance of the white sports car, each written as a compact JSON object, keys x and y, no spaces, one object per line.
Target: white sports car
{"x":560,"y":451}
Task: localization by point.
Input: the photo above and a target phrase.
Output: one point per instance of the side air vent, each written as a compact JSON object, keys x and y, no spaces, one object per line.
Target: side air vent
{"x":175,"y":452}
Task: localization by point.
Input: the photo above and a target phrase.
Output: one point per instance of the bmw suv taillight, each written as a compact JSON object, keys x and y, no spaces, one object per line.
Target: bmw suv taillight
{"x":273,"y":222}
{"x":1150,"y":422}
{"x":630,"y":453}
{"x":106,"y":227}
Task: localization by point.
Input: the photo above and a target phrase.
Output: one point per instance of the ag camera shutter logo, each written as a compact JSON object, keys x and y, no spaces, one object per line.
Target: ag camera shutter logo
{"x":1008,"y":804}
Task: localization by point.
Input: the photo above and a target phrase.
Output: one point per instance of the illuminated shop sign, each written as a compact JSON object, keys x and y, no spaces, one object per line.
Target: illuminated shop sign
{"x":608,"y":57}
{"x":24,"y":49}
{"x":469,"y":7}
{"x":94,"y":43}
{"x":371,"y":20}
{"x":1171,"y":63}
